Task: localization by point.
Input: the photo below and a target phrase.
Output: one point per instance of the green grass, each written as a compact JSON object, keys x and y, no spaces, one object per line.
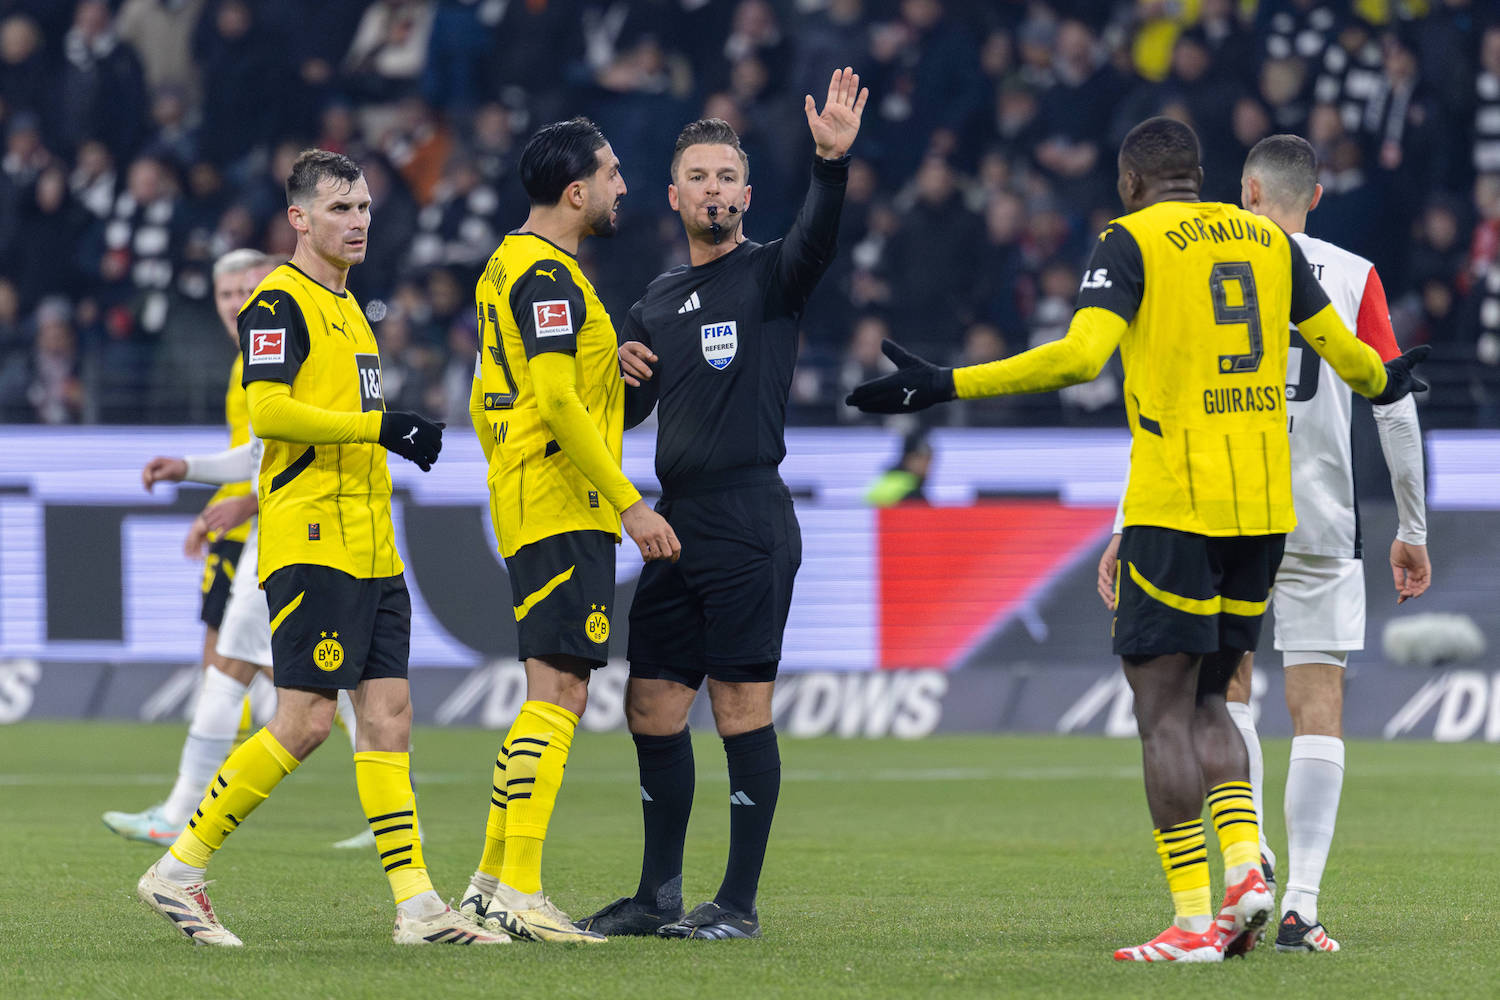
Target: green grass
{"x":974,"y":866}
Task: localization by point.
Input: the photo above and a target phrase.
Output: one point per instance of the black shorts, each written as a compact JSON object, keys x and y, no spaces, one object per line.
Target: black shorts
{"x":218,"y":573}
{"x":332,"y":630}
{"x":721,"y":609}
{"x":1179,"y":592}
{"x":562,"y":588}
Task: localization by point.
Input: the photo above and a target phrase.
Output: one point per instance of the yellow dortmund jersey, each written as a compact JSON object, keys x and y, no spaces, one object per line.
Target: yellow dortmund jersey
{"x":1208,"y":292}
{"x":532,"y":299}
{"x":237,"y":416}
{"x":326,"y":504}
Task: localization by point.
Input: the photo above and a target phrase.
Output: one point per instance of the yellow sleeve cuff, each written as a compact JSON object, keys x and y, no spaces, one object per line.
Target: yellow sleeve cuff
{"x":482,"y":428}
{"x":1355,"y":361}
{"x":1078,"y":357}
{"x":275,"y":415}
{"x":553,"y":378}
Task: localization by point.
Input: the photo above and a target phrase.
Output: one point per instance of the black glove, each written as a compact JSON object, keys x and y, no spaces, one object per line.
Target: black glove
{"x":1399,"y":379}
{"x":917,"y":385}
{"x":412,"y":436}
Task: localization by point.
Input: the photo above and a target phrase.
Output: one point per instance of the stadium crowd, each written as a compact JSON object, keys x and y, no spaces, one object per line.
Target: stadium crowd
{"x":143,"y":138}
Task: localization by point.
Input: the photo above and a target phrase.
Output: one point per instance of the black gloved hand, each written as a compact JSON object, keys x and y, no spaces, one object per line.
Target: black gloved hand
{"x":1399,"y":378}
{"x":916,"y":385}
{"x":412,"y":436}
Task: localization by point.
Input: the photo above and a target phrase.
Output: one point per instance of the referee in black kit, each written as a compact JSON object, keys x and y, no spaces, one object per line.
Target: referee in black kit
{"x":721,"y":334}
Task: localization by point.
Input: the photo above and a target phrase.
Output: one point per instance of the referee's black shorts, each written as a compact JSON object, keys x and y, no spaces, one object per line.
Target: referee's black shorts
{"x":1179,"y":592}
{"x":332,"y":630}
{"x":721,"y":609}
{"x":218,"y":575}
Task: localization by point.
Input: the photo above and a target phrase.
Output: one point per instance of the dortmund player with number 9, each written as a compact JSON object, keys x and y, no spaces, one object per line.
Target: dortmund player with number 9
{"x":1199,"y":297}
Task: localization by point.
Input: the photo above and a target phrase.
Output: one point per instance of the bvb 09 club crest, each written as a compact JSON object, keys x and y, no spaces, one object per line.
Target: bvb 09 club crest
{"x":328,"y":654}
{"x":596,"y":626}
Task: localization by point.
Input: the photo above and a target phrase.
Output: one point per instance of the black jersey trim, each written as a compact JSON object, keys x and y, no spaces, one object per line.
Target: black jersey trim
{"x":537,"y":236}
{"x":294,"y":470}
{"x":552,"y":449}
{"x":343,"y":295}
{"x":1147,"y":424}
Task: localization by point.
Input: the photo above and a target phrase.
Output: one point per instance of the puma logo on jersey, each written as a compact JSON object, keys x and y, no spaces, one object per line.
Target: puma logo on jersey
{"x":342,"y":330}
{"x":909,"y":394}
{"x":268,"y":305}
{"x":1106,"y":233}
{"x":550,"y":274}
{"x":691,"y":304}
{"x":410,"y":437}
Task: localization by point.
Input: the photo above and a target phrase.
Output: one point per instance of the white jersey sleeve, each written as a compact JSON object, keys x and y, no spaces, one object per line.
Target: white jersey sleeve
{"x":1320,"y":416}
{"x":232,"y":465}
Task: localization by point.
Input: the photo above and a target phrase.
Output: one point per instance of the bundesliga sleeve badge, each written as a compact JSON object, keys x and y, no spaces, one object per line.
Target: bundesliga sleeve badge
{"x":267,"y":347}
{"x":554,"y":318}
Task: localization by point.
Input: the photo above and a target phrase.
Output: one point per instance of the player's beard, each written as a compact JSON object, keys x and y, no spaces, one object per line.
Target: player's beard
{"x":600,"y":224}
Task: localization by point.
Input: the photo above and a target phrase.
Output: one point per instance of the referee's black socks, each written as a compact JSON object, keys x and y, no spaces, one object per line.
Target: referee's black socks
{"x":667,"y":775}
{"x":754,"y":784}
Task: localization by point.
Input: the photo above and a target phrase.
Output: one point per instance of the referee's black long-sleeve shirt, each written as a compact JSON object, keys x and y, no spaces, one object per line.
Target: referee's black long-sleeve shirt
{"x":725,"y":334}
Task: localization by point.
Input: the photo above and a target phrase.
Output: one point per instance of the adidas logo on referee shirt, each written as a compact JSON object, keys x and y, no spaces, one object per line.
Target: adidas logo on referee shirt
{"x":691,"y":304}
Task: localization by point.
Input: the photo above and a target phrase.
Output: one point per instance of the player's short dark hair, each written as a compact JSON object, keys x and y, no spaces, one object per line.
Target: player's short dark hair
{"x":556,"y":156}
{"x":1287,"y":167}
{"x":313,"y":166}
{"x":708,"y":132}
{"x":1161,"y":147}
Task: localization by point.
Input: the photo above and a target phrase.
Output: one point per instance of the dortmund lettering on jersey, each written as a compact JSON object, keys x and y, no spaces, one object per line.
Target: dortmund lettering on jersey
{"x":1208,"y":291}
{"x":237,"y":416}
{"x":534,"y":299}
{"x":326,"y":504}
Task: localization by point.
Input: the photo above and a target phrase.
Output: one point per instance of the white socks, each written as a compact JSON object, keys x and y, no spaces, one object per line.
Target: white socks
{"x":1314,"y":781}
{"x":179,"y":872}
{"x":346,"y":718}
{"x":1244,"y":720}
{"x":216,"y":722}
{"x":424,"y":905}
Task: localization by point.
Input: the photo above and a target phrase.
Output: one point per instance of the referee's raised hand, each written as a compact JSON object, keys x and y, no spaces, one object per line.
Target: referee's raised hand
{"x":834,"y":128}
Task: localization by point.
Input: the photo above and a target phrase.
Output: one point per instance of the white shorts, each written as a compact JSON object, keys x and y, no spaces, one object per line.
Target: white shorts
{"x":245,"y":632}
{"x":1319,"y":604}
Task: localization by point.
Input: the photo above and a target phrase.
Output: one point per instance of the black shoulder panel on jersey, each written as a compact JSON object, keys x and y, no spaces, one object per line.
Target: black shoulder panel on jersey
{"x":1308,"y":296}
{"x":273,"y":337}
{"x":549,"y":308}
{"x":1116,"y":274}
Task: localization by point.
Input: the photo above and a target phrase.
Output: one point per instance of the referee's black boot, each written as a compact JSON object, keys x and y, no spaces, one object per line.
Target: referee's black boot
{"x":627,"y":918}
{"x":712,"y":922}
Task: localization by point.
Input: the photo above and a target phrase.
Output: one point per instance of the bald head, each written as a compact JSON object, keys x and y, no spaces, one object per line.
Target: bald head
{"x":1286,"y":166}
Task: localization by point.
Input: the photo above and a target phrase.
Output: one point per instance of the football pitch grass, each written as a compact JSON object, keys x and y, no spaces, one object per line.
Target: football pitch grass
{"x":954,"y":866}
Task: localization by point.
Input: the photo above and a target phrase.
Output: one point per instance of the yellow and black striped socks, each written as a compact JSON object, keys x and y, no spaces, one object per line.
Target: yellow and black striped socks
{"x":384,"y":782}
{"x":1233,"y":811}
{"x":243,"y":783}
{"x":539,"y":741}
{"x":1184,"y":857}
{"x":493,"y":858}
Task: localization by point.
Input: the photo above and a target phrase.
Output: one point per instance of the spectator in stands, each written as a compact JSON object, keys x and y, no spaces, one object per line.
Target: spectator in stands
{"x":931,"y":265}
{"x":26,"y":72}
{"x":161,"y":33}
{"x":386,"y":58}
{"x":101,"y":93}
{"x":238,"y":54}
{"x":54,"y":390}
{"x":863,"y":360}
